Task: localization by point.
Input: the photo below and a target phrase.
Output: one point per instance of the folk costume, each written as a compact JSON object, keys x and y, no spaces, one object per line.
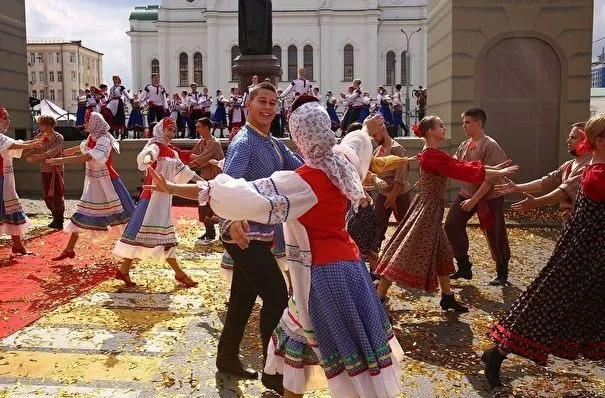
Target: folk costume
{"x":335,"y":328}
{"x":13,"y":220}
{"x":105,"y":203}
{"x":562,"y":312}
{"x":150,"y":232}
{"x":116,"y":105}
{"x":419,"y":251}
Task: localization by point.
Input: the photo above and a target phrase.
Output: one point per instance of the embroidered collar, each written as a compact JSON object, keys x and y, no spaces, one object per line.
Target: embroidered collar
{"x":256,"y":130}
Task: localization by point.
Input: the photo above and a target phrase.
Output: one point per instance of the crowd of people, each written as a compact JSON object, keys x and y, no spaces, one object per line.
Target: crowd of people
{"x":186,"y":107}
{"x":323,"y":321}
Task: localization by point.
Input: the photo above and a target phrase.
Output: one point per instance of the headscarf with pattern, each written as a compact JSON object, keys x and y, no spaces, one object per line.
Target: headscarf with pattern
{"x":310,"y":127}
{"x":97,"y":127}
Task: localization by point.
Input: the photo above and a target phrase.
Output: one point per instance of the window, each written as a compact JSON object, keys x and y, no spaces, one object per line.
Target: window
{"x":58,"y":57}
{"x":349,"y":70}
{"x":74,"y":95}
{"x":34,"y":93}
{"x":390,"y":72}
{"x":51,"y":58}
{"x":72,"y":58}
{"x":403,"y":69}
{"x":60,"y":95}
{"x":74,"y":77}
{"x":87,"y":63}
{"x":277,"y":54}
{"x":234,"y":54}
{"x":198,"y":69}
{"x":60,"y":76}
{"x":51,"y":76}
{"x":41,"y":77}
{"x":42,"y":94}
{"x":32,"y":58}
{"x":93,"y":64}
{"x":292,"y":62}
{"x":40,"y":58}
{"x":155,"y":66}
{"x":52,"y":95}
{"x":33,"y":77}
{"x":308,"y":61}
{"x":183,"y":70}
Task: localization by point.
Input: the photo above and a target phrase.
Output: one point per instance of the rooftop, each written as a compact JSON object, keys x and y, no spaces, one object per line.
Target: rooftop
{"x":58,"y":40}
{"x":145,"y":13}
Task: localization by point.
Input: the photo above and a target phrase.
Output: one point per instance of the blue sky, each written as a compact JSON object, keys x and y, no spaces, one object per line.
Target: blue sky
{"x":102,"y":26}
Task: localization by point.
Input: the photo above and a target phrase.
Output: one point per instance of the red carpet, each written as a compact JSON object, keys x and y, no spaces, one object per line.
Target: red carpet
{"x":33,"y":285}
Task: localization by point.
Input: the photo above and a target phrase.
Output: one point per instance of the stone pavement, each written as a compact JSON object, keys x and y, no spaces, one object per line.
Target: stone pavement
{"x":159,"y":340}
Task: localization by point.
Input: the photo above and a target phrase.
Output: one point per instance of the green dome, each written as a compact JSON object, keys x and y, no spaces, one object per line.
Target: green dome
{"x":145,"y":13}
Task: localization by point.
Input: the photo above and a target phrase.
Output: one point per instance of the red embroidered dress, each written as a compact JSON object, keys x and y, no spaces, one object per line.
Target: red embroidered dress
{"x":419,"y":250}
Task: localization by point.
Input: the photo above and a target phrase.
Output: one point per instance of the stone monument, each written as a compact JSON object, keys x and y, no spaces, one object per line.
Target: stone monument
{"x":255,"y":43}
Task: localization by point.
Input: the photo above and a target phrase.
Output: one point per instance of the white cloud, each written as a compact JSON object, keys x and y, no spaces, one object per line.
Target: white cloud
{"x":101,"y":25}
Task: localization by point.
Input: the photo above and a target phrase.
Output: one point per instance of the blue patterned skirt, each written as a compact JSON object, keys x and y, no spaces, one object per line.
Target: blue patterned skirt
{"x":220,"y":117}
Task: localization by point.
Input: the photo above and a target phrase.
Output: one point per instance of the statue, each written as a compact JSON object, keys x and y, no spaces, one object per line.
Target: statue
{"x":255,"y":27}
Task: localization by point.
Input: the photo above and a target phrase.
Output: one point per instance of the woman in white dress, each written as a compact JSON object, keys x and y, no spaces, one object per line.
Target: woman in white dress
{"x":13,"y":220}
{"x":150,"y":232}
{"x":105,"y":204}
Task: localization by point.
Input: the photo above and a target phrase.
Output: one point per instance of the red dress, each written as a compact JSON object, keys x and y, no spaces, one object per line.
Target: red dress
{"x":419,"y":250}
{"x":562,"y":312}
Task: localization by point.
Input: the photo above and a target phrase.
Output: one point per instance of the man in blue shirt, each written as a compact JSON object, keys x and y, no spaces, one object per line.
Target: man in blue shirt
{"x":254,"y":154}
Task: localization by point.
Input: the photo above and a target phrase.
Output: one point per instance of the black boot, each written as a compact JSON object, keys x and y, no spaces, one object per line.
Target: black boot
{"x":273,"y":382}
{"x":233,"y":366}
{"x":502,"y":278}
{"x":464,"y":269}
{"x":449,"y":301}
{"x":493,"y":360}
{"x":56,"y":223}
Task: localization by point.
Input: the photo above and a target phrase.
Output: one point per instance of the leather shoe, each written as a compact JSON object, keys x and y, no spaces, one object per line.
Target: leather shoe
{"x":273,"y":382}
{"x":498,"y":281}
{"x":235,"y":368}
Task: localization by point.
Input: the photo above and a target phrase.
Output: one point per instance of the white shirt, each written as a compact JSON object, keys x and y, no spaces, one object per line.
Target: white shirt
{"x":299,"y":86}
{"x":155,"y":94}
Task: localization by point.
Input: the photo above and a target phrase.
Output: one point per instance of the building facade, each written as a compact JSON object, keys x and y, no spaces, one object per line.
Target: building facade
{"x":598,"y":71}
{"x":13,"y":79}
{"x":336,"y":41}
{"x":57,"y":69}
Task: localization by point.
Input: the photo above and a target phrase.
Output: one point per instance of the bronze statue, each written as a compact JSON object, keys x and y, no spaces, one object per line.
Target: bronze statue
{"x":255,"y":27}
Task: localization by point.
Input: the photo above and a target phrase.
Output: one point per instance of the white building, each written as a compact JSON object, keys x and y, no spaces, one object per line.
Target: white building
{"x":57,"y":69}
{"x":335,"y":40}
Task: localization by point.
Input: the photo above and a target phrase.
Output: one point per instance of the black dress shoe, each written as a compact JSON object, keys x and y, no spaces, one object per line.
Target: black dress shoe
{"x":449,"y":301}
{"x":55,"y":224}
{"x":235,"y":368}
{"x":273,"y":382}
{"x":498,"y":281}
{"x":492,"y":359}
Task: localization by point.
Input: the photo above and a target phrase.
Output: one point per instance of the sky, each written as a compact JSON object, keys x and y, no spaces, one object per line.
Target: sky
{"x":102,"y":26}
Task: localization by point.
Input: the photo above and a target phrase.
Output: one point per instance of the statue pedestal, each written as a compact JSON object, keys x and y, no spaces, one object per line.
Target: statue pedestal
{"x":264,"y":66}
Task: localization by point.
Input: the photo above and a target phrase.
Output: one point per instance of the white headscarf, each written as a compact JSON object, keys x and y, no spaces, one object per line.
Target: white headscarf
{"x":97,"y":127}
{"x":356,"y":146}
{"x":158,"y":131}
{"x":310,"y":127}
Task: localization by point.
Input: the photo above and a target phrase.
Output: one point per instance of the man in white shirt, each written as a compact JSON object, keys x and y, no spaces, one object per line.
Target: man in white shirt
{"x":155,"y":96}
{"x":298,"y":86}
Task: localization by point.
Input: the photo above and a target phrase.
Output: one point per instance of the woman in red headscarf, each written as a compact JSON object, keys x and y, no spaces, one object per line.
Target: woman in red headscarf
{"x":150,"y":233}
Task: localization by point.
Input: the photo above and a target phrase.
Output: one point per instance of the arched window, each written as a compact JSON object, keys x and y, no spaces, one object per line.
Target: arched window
{"x":390,"y":72}
{"x":183,"y":70}
{"x":155,"y":66}
{"x":404,"y":66}
{"x":308,"y":61}
{"x":234,"y":54}
{"x":292,"y":62}
{"x":198,"y":69}
{"x":349,"y":70}
{"x":277,"y":53}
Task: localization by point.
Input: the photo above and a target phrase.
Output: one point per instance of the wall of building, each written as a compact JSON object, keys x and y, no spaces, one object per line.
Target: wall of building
{"x":211,"y":27}
{"x":85,"y":64}
{"x":457,"y":56}
{"x":13,"y":78}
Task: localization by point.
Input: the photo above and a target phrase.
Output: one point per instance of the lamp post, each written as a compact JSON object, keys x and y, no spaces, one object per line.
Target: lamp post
{"x":407,"y":73}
